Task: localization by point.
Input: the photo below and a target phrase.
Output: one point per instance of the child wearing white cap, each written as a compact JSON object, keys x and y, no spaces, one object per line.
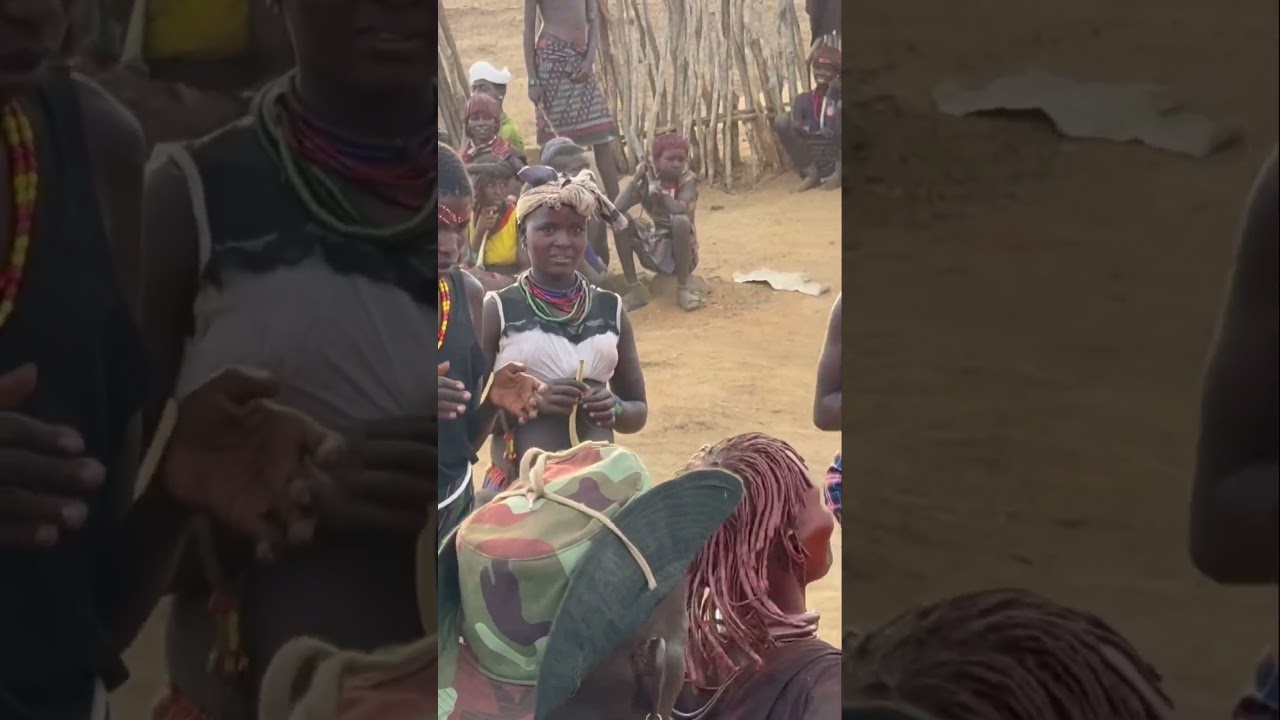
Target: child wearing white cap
{"x":489,"y":80}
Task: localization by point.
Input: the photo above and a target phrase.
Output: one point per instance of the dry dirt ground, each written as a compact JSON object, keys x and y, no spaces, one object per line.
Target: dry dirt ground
{"x":1028,"y":318}
{"x":744,"y":363}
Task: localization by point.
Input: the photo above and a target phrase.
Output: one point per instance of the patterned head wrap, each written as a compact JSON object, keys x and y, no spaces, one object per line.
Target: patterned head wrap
{"x":557,"y":190}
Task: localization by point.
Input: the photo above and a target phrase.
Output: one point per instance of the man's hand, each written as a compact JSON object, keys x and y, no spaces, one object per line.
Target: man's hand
{"x":242,"y":458}
{"x":451,"y":396}
{"x":44,"y":475}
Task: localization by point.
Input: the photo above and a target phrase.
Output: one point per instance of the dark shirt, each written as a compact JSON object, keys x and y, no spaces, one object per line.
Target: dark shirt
{"x":799,"y":681}
{"x":466,"y":365}
{"x":72,"y":320}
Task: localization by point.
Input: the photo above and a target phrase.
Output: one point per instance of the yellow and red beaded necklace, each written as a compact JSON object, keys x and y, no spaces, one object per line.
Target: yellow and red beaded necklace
{"x":446,"y":304}
{"x":20,"y":142}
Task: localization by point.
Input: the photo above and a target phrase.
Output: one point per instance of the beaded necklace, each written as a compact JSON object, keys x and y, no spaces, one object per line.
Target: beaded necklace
{"x":307,"y":163}
{"x":23,"y":171}
{"x":563,"y":307}
{"x":446,"y":304}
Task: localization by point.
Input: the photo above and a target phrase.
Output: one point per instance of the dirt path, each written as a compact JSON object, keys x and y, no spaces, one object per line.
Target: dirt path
{"x":1029,"y":317}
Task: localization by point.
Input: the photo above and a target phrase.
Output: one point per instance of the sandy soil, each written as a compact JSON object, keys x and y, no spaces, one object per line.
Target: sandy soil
{"x":745,"y":363}
{"x":1029,"y":318}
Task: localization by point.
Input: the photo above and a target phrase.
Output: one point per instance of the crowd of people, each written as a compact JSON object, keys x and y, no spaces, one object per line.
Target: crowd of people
{"x":534,"y":554}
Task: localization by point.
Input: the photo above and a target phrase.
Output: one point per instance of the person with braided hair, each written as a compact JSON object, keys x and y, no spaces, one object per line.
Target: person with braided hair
{"x":752,"y":639}
{"x":300,"y":239}
{"x":1003,"y":655}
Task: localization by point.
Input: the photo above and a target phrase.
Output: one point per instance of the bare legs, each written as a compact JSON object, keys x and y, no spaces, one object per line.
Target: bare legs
{"x":790,"y":135}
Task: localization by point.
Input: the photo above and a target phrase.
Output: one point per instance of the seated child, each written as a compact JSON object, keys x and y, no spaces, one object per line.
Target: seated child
{"x":666,"y":243}
{"x":494,"y":255}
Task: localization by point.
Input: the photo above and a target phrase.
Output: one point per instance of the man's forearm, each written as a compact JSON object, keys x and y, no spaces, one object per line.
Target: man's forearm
{"x":826,"y":414}
{"x":1233,"y":527}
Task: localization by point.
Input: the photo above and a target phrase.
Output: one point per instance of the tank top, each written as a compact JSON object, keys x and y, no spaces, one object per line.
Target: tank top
{"x":552,"y":351}
{"x":462,"y":351}
{"x":72,"y":320}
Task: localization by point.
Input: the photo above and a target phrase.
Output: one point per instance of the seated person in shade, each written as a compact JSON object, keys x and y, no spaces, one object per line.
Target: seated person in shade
{"x":810,"y":133}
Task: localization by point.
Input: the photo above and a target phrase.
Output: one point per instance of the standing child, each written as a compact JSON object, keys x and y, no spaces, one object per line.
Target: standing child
{"x":668,"y":244}
{"x":560,"y":56}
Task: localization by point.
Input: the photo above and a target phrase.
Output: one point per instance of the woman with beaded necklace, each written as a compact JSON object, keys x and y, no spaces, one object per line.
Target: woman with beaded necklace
{"x":299,"y":239}
{"x":572,"y":336}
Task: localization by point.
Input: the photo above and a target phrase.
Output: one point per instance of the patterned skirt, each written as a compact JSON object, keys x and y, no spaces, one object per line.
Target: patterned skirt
{"x":578,"y":111}
{"x":835,"y":487}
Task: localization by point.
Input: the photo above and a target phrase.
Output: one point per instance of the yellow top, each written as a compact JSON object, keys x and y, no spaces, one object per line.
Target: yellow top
{"x":502,"y":247}
{"x":197,"y":29}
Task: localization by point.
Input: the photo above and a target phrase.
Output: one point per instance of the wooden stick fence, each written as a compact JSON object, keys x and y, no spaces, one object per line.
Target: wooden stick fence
{"x":717,"y":71}
{"x":454,"y":86}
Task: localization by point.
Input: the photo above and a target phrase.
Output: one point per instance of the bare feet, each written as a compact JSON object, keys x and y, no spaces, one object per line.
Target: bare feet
{"x":808,"y":183}
{"x":637,"y":297}
{"x":832,"y":181}
{"x":688,"y":299}
{"x":811,"y":180}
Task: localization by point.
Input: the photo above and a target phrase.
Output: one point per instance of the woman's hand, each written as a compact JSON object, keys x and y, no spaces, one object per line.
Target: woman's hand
{"x":44,"y":475}
{"x":452,"y":397}
{"x":560,"y":397}
{"x":238,"y":456}
{"x":516,"y":392}
{"x":386,"y":482}
{"x":601,"y":405}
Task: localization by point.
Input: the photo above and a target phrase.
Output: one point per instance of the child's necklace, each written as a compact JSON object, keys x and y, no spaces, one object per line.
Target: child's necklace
{"x":23,"y":172}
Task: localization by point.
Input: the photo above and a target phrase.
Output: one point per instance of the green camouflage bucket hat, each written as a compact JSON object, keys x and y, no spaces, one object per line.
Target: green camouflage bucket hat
{"x":529,"y":584}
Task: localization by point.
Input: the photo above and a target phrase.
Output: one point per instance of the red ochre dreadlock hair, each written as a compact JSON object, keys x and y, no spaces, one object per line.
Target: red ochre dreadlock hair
{"x":1004,"y":655}
{"x":666,"y":142}
{"x":730,"y":613}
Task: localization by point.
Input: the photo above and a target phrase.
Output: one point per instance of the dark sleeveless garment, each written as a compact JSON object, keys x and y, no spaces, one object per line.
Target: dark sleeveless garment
{"x":73,"y":321}
{"x":263,"y":226}
{"x":345,"y":324}
{"x":466,"y":360}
